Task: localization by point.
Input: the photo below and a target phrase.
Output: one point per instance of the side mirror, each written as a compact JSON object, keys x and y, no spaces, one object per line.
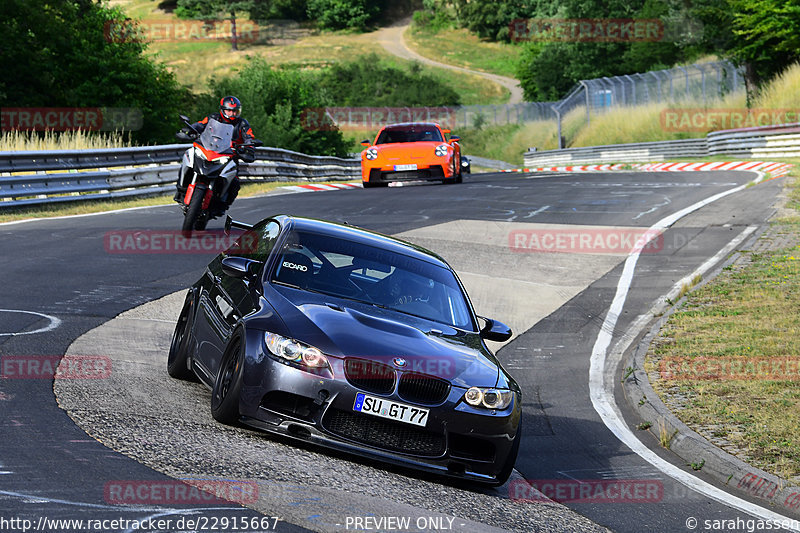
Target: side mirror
{"x":454,"y":138}
{"x":230,"y":223}
{"x":495,"y":330}
{"x":239,"y":267}
{"x":365,"y":143}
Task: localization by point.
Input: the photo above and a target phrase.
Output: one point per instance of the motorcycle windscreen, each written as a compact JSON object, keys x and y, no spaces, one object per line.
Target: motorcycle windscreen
{"x":217,"y":136}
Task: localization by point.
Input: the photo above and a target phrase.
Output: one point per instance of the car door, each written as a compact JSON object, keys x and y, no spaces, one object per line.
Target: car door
{"x":225,"y":299}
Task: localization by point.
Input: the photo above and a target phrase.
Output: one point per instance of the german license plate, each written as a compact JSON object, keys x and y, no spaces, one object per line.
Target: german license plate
{"x":410,"y":166}
{"x":392,"y":410}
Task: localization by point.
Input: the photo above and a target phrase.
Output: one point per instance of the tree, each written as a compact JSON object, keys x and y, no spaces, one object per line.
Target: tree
{"x":216,"y":10}
{"x":274,"y":102}
{"x":63,"y":54}
{"x":768,"y":40}
{"x":368,"y":82}
{"x":340,"y":14}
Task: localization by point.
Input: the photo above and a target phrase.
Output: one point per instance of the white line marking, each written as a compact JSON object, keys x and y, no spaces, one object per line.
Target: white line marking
{"x":540,"y":210}
{"x":54,"y":322}
{"x":602,"y":394}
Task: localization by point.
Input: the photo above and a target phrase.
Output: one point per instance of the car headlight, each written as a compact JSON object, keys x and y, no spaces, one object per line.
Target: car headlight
{"x":489,"y":398}
{"x":294,"y":351}
{"x":199,"y":153}
{"x":441,"y":150}
{"x":372,"y":153}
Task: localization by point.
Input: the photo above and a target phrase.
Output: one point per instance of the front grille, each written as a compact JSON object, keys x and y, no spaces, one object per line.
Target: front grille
{"x":370,"y":375}
{"x":421,"y":388}
{"x":384,"y":434}
{"x":434,"y":172}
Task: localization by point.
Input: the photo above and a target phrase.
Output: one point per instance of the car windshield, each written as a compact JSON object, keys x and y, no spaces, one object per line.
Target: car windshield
{"x":365,"y":273}
{"x":410,"y":134}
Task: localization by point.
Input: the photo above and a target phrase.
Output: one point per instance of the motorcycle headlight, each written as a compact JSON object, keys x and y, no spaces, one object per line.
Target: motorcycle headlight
{"x":441,"y":150}
{"x":489,"y":398}
{"x":295,"y":351}
{"x":222,"y":160}
{"x":372,"y":153}
{"x":199,"y":153}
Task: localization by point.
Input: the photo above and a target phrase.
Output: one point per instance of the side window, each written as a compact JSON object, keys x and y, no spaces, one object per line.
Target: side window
{"x":256,"y":243}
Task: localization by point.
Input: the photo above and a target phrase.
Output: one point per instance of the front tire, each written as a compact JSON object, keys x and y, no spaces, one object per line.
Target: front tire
{"x":373,"y":184}
{"x":193,"y":211}
{"x":177,"y":366}
{"x":228,"y":384}
{"x":201,"y":223}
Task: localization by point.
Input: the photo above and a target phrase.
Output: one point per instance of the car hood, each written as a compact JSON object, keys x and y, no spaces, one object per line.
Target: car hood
{"x":345,"y":328}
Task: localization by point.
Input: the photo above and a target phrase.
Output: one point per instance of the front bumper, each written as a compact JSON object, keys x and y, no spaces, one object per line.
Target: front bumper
{"x":387,"y":173}
{"x":458,"y":440}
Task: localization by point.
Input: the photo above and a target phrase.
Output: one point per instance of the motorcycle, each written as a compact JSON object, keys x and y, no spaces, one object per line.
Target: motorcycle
{"x":208,"y":170}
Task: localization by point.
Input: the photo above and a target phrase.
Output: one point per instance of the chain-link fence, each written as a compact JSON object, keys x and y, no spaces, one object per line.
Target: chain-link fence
{"x":476,"y":116}
{"x":702,"y":82}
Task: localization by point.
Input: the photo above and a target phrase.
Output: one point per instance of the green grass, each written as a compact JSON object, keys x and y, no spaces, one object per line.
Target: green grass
{"x":462,"y":48}
{"x":749,"y":311}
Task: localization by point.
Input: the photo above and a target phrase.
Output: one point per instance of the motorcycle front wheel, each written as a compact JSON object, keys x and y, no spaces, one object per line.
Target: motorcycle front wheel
{"x":193,"y":211}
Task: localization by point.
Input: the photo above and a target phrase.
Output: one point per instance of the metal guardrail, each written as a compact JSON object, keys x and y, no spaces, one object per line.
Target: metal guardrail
{"x":140,"y":171}
{"x":782,"y":140}
{"x":622,"y":153}
{"x":771,"y":142}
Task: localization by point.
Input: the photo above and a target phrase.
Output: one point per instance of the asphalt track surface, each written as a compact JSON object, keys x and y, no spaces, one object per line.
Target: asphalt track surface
{"x":49,"y":467}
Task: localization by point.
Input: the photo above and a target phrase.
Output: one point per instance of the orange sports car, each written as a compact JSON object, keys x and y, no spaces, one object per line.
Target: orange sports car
{"x":411,"y":151}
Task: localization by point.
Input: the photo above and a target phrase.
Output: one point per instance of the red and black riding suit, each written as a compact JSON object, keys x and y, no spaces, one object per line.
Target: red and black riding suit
{"x":242,"y":133}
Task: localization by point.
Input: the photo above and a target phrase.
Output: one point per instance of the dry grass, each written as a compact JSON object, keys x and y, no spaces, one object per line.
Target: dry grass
{"x":12,"y":141}
{"x":516,"y":139}
{"x":462,"y":48}
{"x":783,"y":92}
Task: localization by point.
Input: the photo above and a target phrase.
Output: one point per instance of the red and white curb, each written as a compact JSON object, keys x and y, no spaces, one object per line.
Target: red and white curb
{"x":572,"y":168}
{"x":323,"y":187}
{"x":774,"y":169}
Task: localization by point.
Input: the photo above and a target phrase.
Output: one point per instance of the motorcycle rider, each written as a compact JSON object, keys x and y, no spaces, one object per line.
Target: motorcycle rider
{"x":230,"y":111}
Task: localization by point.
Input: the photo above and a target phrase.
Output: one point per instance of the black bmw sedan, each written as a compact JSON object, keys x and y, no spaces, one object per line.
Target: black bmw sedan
{"x":352,"y":340}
